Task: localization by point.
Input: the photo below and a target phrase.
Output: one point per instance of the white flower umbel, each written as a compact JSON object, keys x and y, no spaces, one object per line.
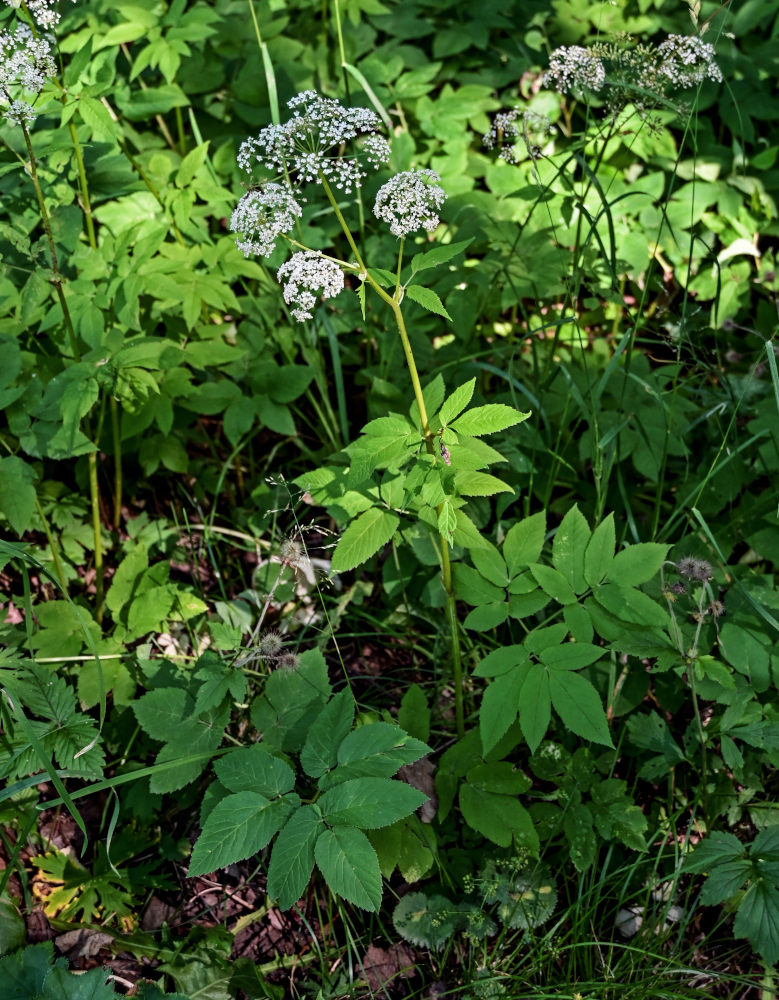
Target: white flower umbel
{"x":45,"y":12}
{"x":26,"y":63}
{"x":509,"y":127}
{"x":262,"y":216}
{"x":409,"y":201}
{"x":306,"y":273}
{"x":686,"y":61}
{"x":311,"y":144}
{"x":573,"y":68}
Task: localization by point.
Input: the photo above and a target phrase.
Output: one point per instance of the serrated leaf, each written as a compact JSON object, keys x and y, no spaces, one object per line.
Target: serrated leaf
{"x":488,"y":419}
{"x":718,"y":848}
{"x":361,"y":297}
{"x":438,"y":255}
{"x":17,"y":492}
{"x":499,"y":706}
{"x":253,"y":769}
{"x":428,"y":299}
{"x":535,"y":706}
{"x":553,"y":582}
{"x":479,"y":484}
{"x":350,"y":866}
{"x":320,"y":751}
{"x":292,"y":857}
{"x":638,"y":564}
{"x":369,"y":803}
{"x":523,"y":542}
{"x":447,"y":521}
{"x":758,"y":920}
{"x":599,"y":553}
{"x":457,"y":402}
{"x":414,"y":713}
{"x":236,"y":829}
{"x":579,"y":706}
{"x":377,"y":750}
{"x":499,"y":818}
{"x":97,"y":117}
{"x":159,"y":712}
{"x":487,"y":616}
{"x":630,"y":605}
{"x":725,"y":880}
{"x":364,"y":537}
{"x":572,"y":655}
{"x":501,"y":661}
{"x":568,"y":548}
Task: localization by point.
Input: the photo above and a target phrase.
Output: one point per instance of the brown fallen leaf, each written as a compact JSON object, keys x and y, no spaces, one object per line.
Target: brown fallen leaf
{"x":82,"y":943}
{"x":421,"y":775}
{"x":382,"y":965}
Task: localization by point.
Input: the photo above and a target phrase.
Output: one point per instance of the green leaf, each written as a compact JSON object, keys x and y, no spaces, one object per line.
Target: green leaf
{"x":24,"y":973}
{"x":725,"y":880}
{"x":718,"y":848}
{"x":17,"y":493}
{"x":369,"y":803}
{"x":616,"y":816}
{"x":579,"y":706}
{"x":350,"y":866}
{"x":292,"y":857}
{"x":488,"y":419}
{"x":758,"y":920}
{"x":638,"y":564}
{"x":499,"y":818}
{"x":568,"y":548}
{"x":320,"y":751}
{"x":489,"y":562}
{"x":501,"y":661}
{"x":363,"y":538}
{"x":499,"y":705}
{"x":191,"y":163}
{"x":253,"y":769}
{"x":447,"y":520}
{"x":553,"y":582}
{"x":535,"y":706}
{"x":599,"y":553}
{"x":479,"y":484}
{"x":428,"y":299}
{"x":414,"y":713}
{"x":237,"y":828}
{"x":523,"y":542}
{"x":500,"y":777}
{"x":582,"y":842}
{"x":438,"y":255}
{"x":378,"y":750}
{"x":96,"y":116}
{"x":457,"y":402}
{"x":630,"y":605}
{"x":572,"y":655}
{"x":487,"y":616}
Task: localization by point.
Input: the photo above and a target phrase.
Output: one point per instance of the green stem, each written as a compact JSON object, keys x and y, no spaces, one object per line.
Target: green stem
{"x":94,"y":498}
{"x":55,"y":552}
{"x":117,"y":439}
{"x":82,"y":180}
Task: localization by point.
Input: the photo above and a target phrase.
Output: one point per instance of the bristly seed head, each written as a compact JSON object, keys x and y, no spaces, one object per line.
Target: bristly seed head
{"x":695,"y":569}
{"x":270,"y":645}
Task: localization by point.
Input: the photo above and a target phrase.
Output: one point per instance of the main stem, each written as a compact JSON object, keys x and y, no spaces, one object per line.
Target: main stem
{"x":393,"y":301}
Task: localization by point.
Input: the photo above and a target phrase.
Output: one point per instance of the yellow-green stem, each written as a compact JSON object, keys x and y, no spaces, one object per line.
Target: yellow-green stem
{"x":94,"y":497}
{"x":82,"y":180}
{"x":55,"y":552}
{"x":117,"y":440}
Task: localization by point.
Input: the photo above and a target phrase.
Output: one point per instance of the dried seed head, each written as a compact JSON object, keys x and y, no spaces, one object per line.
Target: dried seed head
{"x":291,"y":552}
{"x":695,"y":569}
{"x":288,"y":661}
{"x":270,"y":645}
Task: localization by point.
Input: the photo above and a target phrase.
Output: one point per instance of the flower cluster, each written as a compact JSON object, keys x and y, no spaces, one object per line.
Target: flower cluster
{"x":26,"y":63}
{"x":511,"y":127}
{"x":309,"y":146}
{"x":409,"y":201}
{"x":306,"y":273}
{"x":573,"y":69}
{"x":261,"y":216}
{"x":45,"y":12}
{"x":686,"y":61}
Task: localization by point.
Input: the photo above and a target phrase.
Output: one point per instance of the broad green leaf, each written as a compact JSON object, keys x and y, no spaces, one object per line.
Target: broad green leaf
{"x":471,"y":587}
{"x":191,"y":163}
{"x":377,"y":750}
{"x":97,"y":118}
{"x":438,"y":255}
{"x":501,"y":661}
{"x":433,"y":395}
{"x":479,"y":484}
{"x":447,"y":520}
{"x":578,"y":622}
{"x":457,"y":402}
{"x":553,"y":582}
{"x":350,"y":866}
{"x":630,"y":605}
{"x":237,"y":827}
{"x":499,"y":818}
{"x":489,"y":562}
{"x":17,"y":492}
{"x":572,"y":655}
{"x":414,"y":713}
{"x":616,"y":816}
{"x":292,"y":857}
{"x":320,"y":751}
{"x":500,"y":777}
{"x":499,"y":705}
{"x":467,"y":534}
{"x":253,"y":769}
{"x":161,"y":711}
{"x":582,"y":842}
{"x":718,"y":848}
{"x":488,"y":419}
{"x":568,"y":548}
{"x":725,"y":880}
{"x":535,"y":706}
{"x":523,"y":542}
{"x":125,"y":579}
{"x":416,"y":854}
{"x":545,"y":636}
{"x":386,"y":844}
{"x":428,"y":299}
{"x":579,"y":706}
{"x":369,"y":803}
{"x":487,"y":616}
{"x":599,"y":553}
{"x":638,"y":564}
{"x":363,"y":538}
{"x":758,"y":920}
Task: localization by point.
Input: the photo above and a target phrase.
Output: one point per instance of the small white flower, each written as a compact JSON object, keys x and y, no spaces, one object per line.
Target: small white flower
{"x":573,"y":68}
{"x":687,"y":61}
{"x":305,"y":273}
{"x":261,"y":216}
{"x":310,"y":145}
{"x":26,"y":63}
{"x":20,"y":113}
{"x":409,"y":201}
{"x":45,"y":12}
{"x":509,"y":127}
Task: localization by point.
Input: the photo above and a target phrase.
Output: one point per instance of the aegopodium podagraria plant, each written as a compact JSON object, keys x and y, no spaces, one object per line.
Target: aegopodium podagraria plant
{"x":421,"y":466}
